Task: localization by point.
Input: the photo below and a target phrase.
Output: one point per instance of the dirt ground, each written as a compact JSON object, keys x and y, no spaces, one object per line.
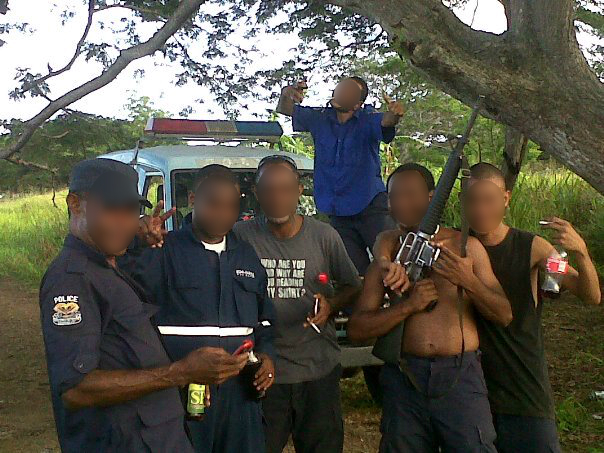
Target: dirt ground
{"x":575,"y":347}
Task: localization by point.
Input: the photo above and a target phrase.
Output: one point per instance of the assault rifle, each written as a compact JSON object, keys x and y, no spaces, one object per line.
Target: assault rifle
{"x":421,"y":255}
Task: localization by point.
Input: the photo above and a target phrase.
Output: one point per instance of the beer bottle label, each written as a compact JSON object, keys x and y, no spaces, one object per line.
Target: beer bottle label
{"x":195,"y":399}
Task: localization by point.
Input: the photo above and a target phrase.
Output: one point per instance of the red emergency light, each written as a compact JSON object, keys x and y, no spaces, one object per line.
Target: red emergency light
{"x":216,"y":130}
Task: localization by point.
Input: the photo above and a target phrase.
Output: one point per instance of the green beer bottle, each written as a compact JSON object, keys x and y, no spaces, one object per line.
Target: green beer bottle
{"x":196,"y":409}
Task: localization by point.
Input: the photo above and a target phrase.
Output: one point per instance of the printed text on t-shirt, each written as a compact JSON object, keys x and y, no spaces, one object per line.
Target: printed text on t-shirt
{"x":285,"y":278}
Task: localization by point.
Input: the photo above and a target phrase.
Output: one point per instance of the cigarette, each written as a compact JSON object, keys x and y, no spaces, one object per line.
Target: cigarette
{"x":544,"y":222}
{"x":316,"y":310}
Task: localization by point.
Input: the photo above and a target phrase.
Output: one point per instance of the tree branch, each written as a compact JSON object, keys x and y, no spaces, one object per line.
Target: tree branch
{"x":76,"y":54}
{"x":506,"y":8}
{"x":25,"y":163}
{"x":137,"y":9}
{"x":545,"y":23}
{"x":594,"y":20}
{"x":395,"y":16}
{"x":56,"y":137}
{"x":536,"y":81}
{"x":367,"y":42}
{"x":53,"y":172}
{"x":185,"y":10}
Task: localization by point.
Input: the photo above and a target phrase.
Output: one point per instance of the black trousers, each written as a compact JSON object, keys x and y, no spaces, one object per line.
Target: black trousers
{"x":526,"y":434}
{"x":440,"y":418}
{"x":310,"y":411}
{"x":358,"y":232}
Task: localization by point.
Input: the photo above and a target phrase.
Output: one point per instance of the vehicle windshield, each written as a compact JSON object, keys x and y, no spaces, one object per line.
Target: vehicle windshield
{"x":182,"y":185}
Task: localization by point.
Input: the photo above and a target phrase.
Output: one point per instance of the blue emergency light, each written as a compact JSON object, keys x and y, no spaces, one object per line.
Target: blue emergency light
{"x":218,"y":130}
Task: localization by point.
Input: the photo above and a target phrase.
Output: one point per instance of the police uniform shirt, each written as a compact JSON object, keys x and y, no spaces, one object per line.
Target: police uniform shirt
{"x":93,"y":317}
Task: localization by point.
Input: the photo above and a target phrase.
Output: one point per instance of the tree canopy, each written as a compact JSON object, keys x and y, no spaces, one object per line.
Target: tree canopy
{"x":535,"y":78}
{"x":68,"y":138}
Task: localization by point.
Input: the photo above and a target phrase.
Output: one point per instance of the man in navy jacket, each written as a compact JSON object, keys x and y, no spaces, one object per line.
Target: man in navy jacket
{"x":211,"y":289}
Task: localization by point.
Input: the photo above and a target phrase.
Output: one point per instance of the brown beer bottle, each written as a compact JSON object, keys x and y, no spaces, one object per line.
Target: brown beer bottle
{"x":248,"y":374}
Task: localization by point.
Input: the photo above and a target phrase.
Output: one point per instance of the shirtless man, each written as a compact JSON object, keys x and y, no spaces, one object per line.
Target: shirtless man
{"x":437,"y":397}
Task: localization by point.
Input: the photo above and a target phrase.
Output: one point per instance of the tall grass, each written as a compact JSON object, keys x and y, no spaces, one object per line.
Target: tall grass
{"x":32,"y":231}
{"x":547,"y":193}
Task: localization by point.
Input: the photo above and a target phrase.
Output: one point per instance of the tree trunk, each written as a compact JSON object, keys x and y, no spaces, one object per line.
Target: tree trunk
{"x":513,"y":156}
{"x":534,"y":77}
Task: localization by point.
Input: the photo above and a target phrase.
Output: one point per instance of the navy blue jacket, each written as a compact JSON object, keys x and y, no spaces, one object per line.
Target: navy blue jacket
{"x":194,"y":287}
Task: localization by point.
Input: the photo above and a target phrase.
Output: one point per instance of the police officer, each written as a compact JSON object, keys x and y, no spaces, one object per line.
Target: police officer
{"x":212,"y":290}
{"x":113,"y":387}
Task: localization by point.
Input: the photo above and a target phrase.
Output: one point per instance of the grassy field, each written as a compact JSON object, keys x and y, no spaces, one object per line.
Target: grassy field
{"x":32,"y":233}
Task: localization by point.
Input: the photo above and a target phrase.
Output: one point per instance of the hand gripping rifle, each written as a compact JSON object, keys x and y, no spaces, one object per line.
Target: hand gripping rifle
{"x":421,"y":254}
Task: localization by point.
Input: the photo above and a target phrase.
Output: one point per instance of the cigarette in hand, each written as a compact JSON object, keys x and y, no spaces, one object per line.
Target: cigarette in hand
{"x":316,"y":311}
{"x":314,"y":326}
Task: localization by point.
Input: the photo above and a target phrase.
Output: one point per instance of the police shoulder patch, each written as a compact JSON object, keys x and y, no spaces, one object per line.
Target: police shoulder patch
{"x":66,"y":311}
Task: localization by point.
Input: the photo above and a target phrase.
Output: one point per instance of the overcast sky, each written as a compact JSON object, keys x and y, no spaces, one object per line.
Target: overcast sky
{"x":53,"y":43}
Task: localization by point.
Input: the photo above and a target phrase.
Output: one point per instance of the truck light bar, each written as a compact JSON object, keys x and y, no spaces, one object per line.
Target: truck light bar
{"x":218,"y":130}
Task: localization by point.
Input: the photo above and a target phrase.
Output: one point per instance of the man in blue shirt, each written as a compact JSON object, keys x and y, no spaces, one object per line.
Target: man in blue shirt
{"x":348,"y":180}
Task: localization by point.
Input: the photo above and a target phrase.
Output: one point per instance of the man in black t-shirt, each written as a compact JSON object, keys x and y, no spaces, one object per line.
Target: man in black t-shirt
{"x":513,"y":358}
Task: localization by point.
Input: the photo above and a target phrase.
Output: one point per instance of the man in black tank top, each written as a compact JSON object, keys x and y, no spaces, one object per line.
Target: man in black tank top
{"x":513,"y":360}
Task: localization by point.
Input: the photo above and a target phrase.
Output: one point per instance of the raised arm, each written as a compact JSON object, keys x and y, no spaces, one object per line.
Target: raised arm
{"x":151,"y":229}
{"x":385,"y":243}
{"x":396,"y":110}
{"x":143,"y":259}
{"x":384,"y":249}
{"x":475,"y":274}
{"x":290,"y":96}
{"x":583,"y":282}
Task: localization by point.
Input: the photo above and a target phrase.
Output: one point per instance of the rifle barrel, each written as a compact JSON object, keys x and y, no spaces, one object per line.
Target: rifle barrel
{"x":446,"y":181}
